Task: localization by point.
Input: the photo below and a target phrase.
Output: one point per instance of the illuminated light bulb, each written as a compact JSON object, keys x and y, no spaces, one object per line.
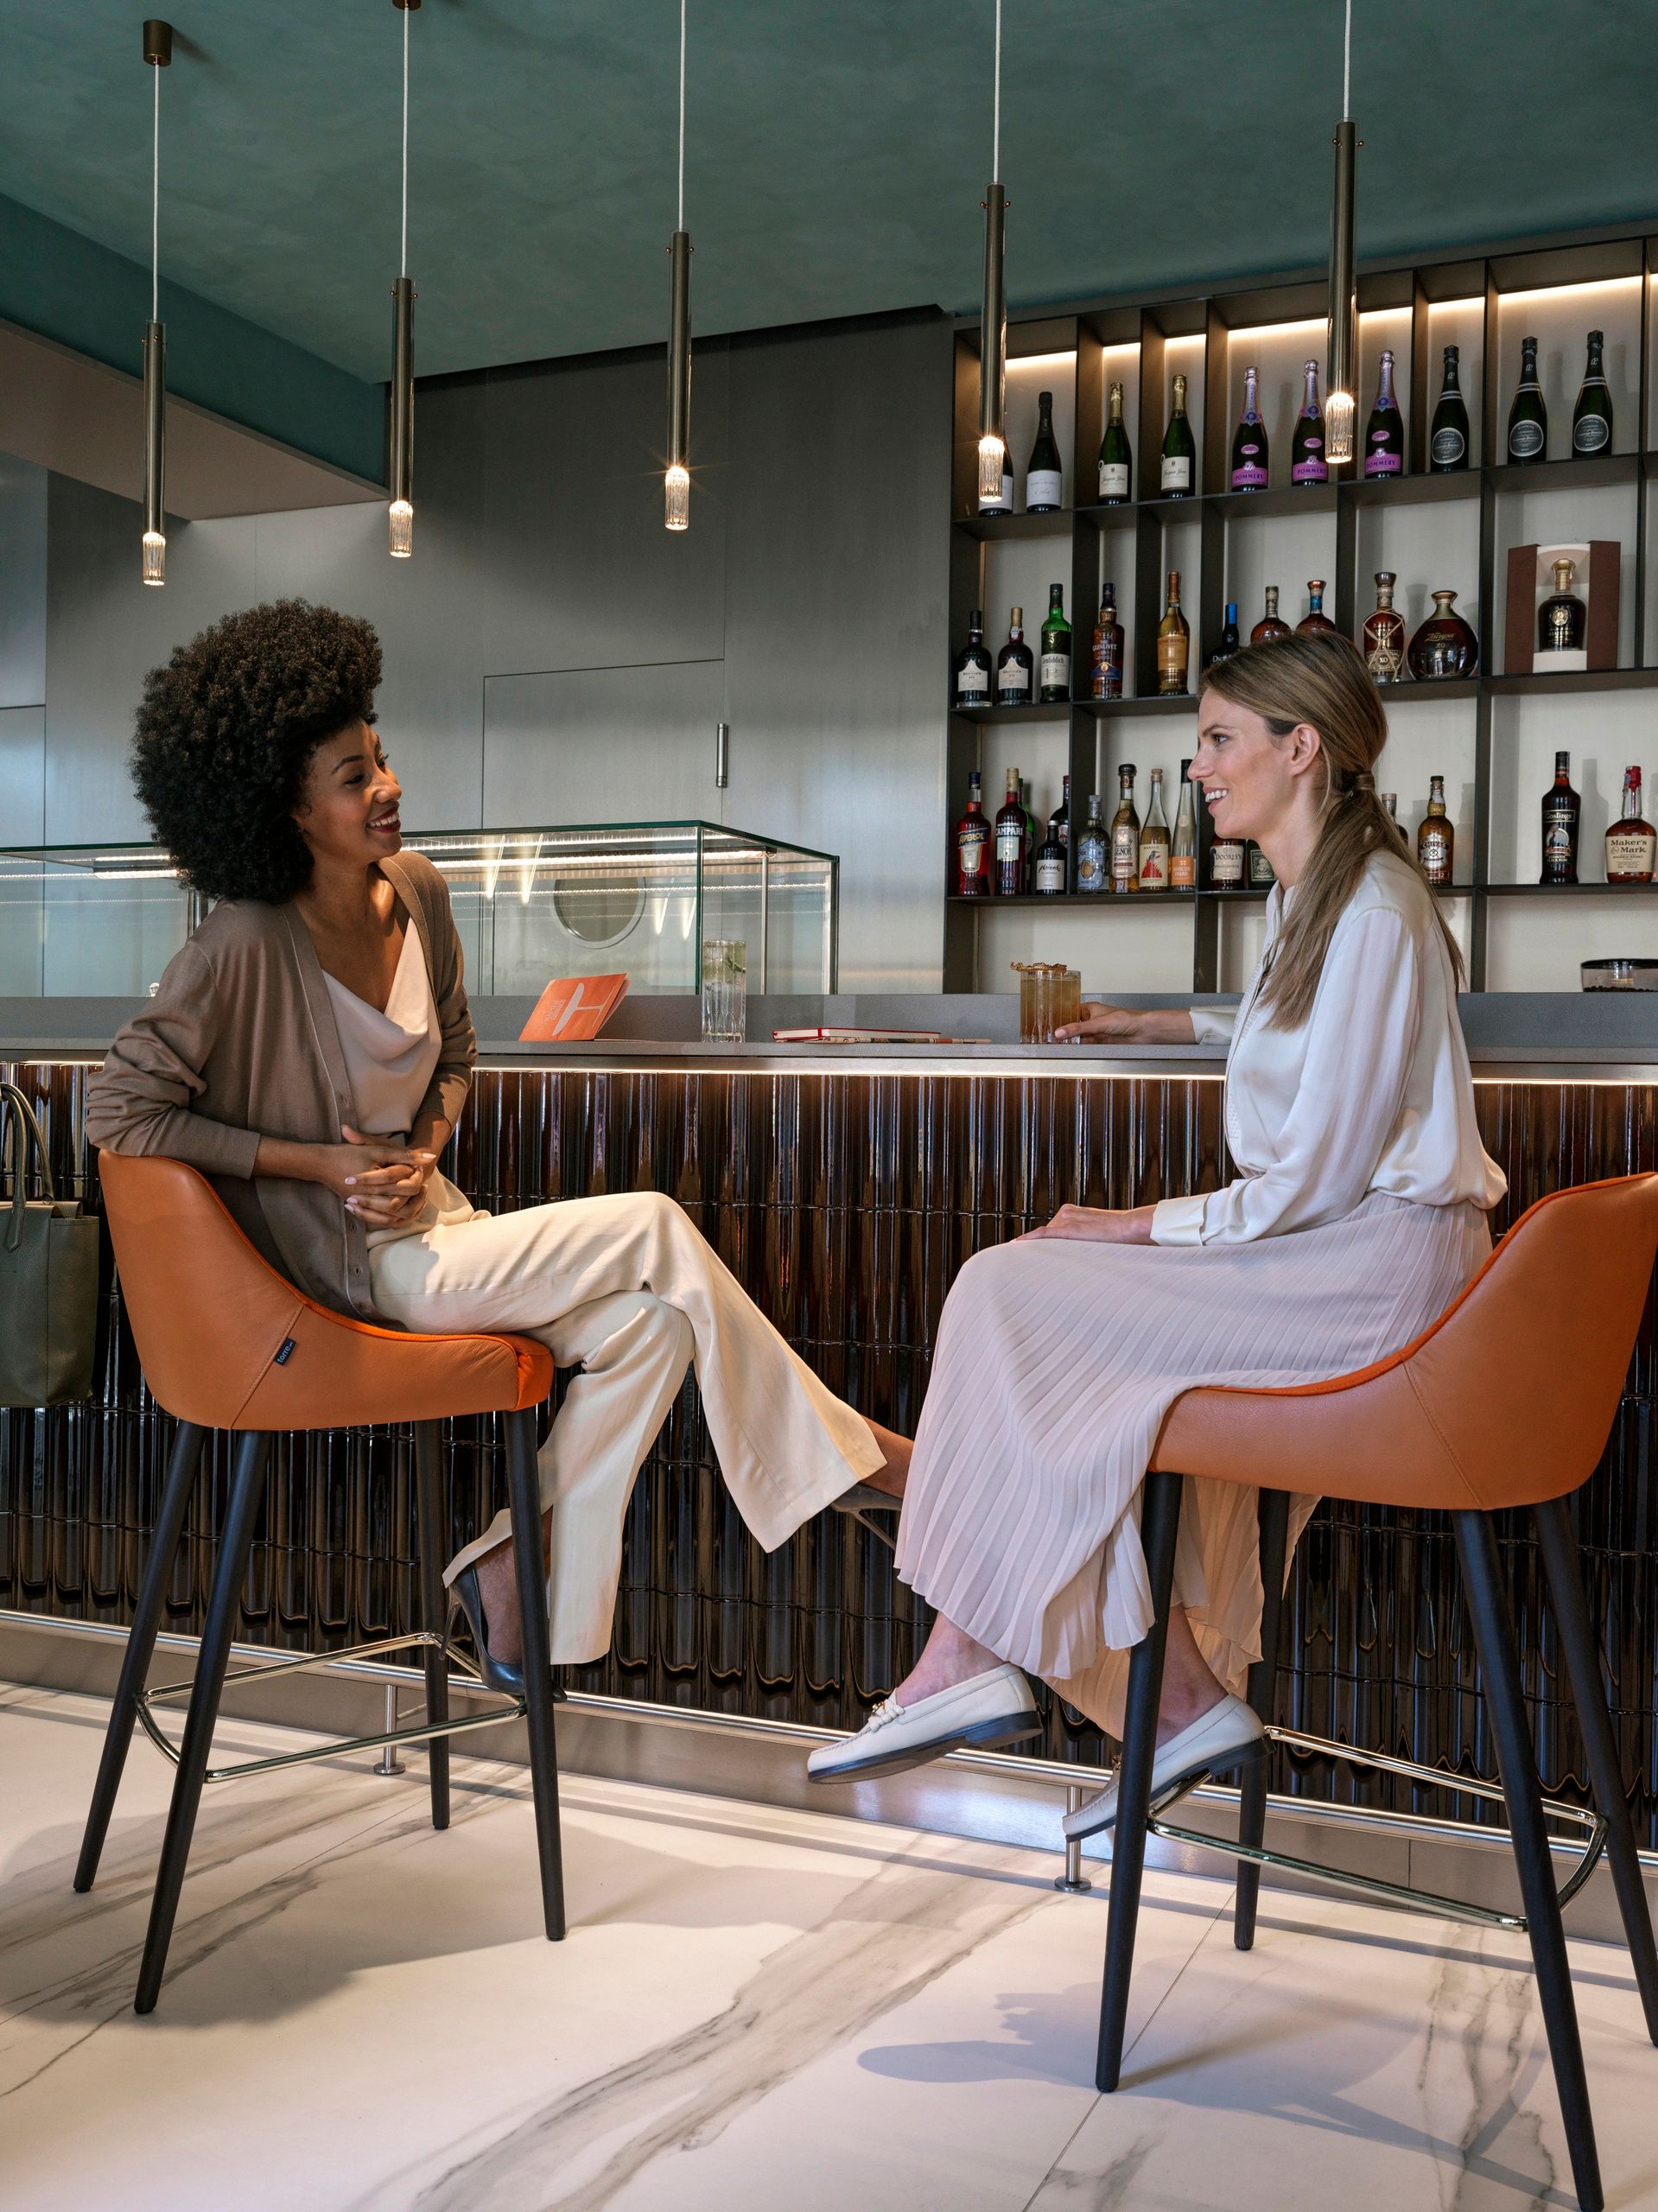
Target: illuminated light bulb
{"x":400,"y":516}
{"x":155,"y":557}
{"x":678,"y":487}
{"x":1339,"y":415}
{"x":992,"y":458}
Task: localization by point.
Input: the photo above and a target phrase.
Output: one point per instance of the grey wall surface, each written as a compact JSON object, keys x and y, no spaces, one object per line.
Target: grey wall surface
{"x":552,"y":653}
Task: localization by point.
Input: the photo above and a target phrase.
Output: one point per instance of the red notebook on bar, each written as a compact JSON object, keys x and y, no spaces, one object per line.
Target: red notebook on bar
{"x":573,"y":1010}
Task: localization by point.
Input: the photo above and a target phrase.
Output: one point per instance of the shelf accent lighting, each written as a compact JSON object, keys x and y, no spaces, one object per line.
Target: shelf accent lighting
{"x":993,"y":322}
{"x":1341,"y":385}
{"x":158,"y":55}
{"x":677,"y":481}
{"x":400,"y":465}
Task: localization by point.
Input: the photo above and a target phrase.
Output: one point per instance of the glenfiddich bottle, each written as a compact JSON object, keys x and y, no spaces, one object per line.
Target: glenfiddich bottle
{"x":1563,"y":618}
{"x":1093,"y":850}
{"x":1307,"y":462}
{"x":1315,"y":617}
{"x":1045,"y":493}
{"x":1436,"y":840}
{"x":1015,"y":668}
{"x":1054,"y":674}
{"x":973,"y":665}
{"x":1448,"y":438}
{"x":1105,"y":677}
{"x":1528,"y":416}
{"x":1117,"y":461}
{"x":973,"y":841}
{"x":1631,"y":843}
{"x":1249,"y":440}
{"x":1011,"y":841}
{"x":1562,"y":814}
{"x":1591,"y":418}
{"x":1125,"y":834}
{"x":1179,"y":449}
{"x":1182,"y":846}
{"x":1154,"y":841}
{"x":1271,"y":625}
{"x":1384,"y":436}
{"x":1174,"y":643}
{"x":1384,"y":634}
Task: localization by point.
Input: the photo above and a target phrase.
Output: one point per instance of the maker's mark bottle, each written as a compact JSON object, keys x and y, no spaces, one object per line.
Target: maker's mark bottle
{"x":1630,"y":843}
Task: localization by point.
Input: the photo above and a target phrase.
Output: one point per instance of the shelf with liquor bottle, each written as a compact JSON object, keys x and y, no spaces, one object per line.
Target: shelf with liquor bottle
{"x":1439,"y":513}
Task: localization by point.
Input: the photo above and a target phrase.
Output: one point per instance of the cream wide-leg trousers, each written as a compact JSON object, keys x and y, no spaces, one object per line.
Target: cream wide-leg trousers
{"x":626,"y":1290}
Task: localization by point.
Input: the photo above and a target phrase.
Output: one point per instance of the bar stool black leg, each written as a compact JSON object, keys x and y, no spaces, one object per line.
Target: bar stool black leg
{"x":140,"y":1643}
{"x":1274,"y":1510}
{"x":1159,"y":1518}
{"x":524,"y":1496}
{"x":1488,"y":1605}
{"x":433,"y":1525}
{"x":1560,"y":1559}
{"x":224,"y":1607}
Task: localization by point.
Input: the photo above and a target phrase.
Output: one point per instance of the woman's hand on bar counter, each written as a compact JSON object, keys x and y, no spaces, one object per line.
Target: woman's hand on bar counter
{"x":1098,"y":1225}
{"x":1125,"y":1024}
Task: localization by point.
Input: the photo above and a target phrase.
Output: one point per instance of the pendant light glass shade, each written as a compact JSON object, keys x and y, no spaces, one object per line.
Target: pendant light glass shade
{"x":400,"y":473}
{"x":677,"y":512}
{"x":992,"y":349}
{"x":1340,"y":393}
{"x":158,"y":55}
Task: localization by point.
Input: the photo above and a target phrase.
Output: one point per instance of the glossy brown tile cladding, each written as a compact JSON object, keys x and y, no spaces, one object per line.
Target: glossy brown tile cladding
{"x":846,"y":1203}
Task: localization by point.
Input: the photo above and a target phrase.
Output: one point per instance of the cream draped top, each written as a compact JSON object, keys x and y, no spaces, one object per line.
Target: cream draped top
{"x":1373,"y":1092}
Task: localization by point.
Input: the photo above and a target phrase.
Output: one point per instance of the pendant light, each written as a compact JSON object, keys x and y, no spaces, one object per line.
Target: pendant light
{"x":158,"y":54}
{"x":400,"y":471}
{"x":676,"y":484}
{"x":993,"y":322}
{"x":1341,"y":387}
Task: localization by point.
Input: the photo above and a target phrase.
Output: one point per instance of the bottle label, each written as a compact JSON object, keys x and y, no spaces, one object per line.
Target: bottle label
{"x":1249,"y":475}
{"x":1183,"y":871}
{"x":973,"y":685}
{"x":1154,"y":866}
{"x":1629,"y":852}
{"x":1056,"y":671}
{"x":1526,"y":440}
{"x":1114,"y":479}
{"x":1090,"y":865}
{"x":1177,"y":471}
{"x":1383,"y":658}
{"x":1261,"y":869}
{"x":1382,"y":460}
{"x":1107,"y":679}
{"x":1312,"y":470}
{"x":973,"y":851}
{"x":1010,"y":842}
{"x":1013,"y":683}
{"x":1125,"y":852}
{"x":1434,"y":853}
{"x":1225,"y":864}
{"x":1557,"y":843}
{"x":1448,"y":449}
{"x":1050,"y":875}
{"x":1044,"y":487}
{"x":1172,"y":662}
{"x":1590,"y":433}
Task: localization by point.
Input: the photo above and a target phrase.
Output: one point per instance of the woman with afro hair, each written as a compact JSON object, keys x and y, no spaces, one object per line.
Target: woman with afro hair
{"x":310,"y":1050}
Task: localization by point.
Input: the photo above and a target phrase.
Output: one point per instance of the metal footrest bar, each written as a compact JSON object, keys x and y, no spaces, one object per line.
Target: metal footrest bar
{"x":510,"y":1708}
{"x":1372,"y":1885}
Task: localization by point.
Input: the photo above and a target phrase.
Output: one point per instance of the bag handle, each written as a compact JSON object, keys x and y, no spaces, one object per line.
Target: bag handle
{"x":21,"y":1131}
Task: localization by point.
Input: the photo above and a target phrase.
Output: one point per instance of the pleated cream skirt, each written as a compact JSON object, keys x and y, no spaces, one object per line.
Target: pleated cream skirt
{"x":1055,"y":1365}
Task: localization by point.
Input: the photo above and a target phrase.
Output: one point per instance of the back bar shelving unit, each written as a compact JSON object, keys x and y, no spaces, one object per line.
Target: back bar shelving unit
{"x":1493,"y":736}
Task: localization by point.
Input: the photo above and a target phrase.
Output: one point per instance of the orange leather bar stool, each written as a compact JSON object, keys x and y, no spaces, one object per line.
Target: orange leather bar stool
{"x":227,"y":1343}
{"x":1448,"y":1424}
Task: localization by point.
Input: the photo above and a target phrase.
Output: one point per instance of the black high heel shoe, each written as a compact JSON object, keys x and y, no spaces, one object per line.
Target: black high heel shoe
{"x":465,"y":1593}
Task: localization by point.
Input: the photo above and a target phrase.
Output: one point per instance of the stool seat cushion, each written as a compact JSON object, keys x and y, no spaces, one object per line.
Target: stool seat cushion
{"x":227,"y":1343}
{"x":1506,"y":1400}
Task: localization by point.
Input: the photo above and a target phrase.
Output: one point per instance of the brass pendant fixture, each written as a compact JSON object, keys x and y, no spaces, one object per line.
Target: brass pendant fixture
{"x":993,"y":322}
{"x":400,"y":462}
{"x":1341,"y":385}
{"x":158,"y":55}
{"x":676,"y":482}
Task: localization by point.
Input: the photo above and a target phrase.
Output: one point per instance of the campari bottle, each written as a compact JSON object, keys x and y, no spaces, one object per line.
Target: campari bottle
{"x":1307,"y":462}
{"x":1384,"y":434}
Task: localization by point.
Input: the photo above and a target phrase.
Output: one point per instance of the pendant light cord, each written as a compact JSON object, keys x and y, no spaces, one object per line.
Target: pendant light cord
{"x":403,"y":256}
{"x":995,"y":112}
{"x":1347,"y":66}
{"x":681,"y":115}
{"x":155,"y":207}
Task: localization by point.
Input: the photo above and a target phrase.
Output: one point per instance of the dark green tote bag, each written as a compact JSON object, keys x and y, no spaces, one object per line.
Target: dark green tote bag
{"x":49,"y":1276}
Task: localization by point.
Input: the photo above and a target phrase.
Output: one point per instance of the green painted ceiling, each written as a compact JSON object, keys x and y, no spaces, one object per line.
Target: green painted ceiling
{"x":836,"y":150}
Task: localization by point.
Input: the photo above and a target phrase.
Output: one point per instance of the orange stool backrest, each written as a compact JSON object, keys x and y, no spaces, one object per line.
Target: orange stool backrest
{"x":227,"y":1343}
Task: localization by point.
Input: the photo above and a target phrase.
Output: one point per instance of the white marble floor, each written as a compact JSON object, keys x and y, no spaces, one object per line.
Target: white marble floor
{"x":753,"y":2009}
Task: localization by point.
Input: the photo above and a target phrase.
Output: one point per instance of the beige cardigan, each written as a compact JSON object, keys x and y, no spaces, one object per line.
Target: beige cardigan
{"x":240,"y":1042}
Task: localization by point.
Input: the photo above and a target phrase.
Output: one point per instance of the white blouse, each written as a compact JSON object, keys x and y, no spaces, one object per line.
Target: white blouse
{"x":1372,"y":1093}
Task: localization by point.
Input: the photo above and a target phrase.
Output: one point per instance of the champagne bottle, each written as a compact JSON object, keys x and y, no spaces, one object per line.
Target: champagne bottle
{"x":973,"y":665}
{"x":1384,"y":436}
{"x":1011,"y":841}
{"x":1271,"y":624}
{"x":1307,"y":462}
{"x":1117,"y":461}
{"x":1448,"y":438}
{"x":1154,"y":841}
{"x":1182,"y":847}
{"x":1015,"y":668}
{"x":1249,"y":440}
{"x":1044,"y":491}
{"x":1056,"y":648}
{"x":1179,"y":449}
{"x":1125,"y":834}
{"x":1528,"y":416}
{"x":1093,"y":851}
{"x":1591,"y":418}
{"x":1174,"y":642}
{"x":1562,"y":817}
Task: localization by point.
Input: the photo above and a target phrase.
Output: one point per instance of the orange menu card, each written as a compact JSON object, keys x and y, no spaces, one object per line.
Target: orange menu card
{"x":574,"y":1009}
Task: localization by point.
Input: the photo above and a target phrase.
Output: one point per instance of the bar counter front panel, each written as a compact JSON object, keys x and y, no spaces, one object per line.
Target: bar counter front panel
{"x":846,"y":1202}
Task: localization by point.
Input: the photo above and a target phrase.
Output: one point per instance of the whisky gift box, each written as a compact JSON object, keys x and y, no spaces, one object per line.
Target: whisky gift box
{"x":1531,"y":581}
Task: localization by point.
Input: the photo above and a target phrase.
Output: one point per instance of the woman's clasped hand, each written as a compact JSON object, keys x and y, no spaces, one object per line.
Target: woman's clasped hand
{"x":384,"y":1184}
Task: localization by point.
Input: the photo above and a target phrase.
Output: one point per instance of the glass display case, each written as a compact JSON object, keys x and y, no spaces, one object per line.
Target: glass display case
{"x":532,"y":904}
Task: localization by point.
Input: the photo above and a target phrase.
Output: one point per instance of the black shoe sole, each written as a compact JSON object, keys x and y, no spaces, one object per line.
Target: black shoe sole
{"x":984,"y":1735}
{"x":1169,"y":1792}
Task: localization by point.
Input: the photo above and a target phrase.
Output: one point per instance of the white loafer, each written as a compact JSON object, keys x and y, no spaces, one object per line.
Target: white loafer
{"x":996,"y":1707}
{"x":1229,"y":1734}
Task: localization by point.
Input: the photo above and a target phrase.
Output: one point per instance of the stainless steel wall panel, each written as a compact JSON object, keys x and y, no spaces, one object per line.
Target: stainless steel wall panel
{"x":22,"y":583}
{"x":603,"y":745}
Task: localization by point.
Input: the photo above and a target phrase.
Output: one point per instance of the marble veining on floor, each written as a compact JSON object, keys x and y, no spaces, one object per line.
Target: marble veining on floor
{"x":753,"y":2009}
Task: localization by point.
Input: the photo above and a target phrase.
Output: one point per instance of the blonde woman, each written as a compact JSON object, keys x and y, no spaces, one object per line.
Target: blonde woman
{"x":1358,"y":1211}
